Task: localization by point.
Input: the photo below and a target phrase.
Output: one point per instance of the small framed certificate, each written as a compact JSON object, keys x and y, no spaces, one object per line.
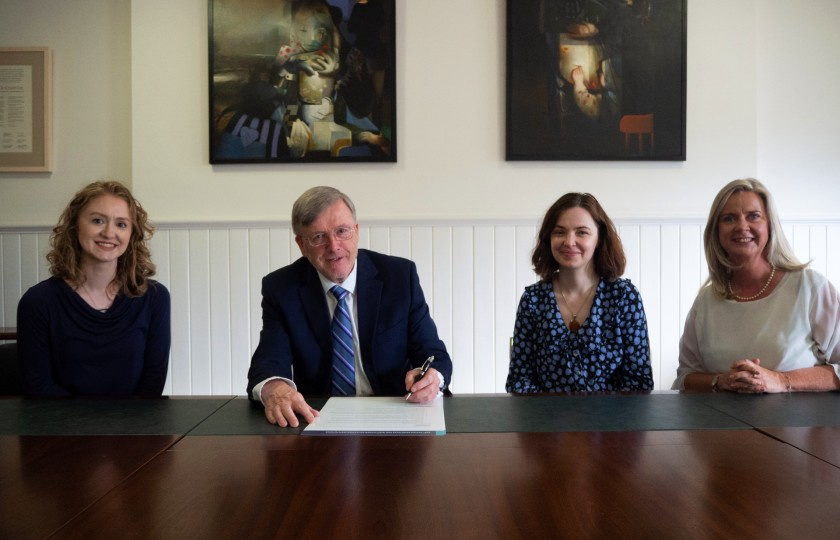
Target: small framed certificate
{"x":25,"y":109}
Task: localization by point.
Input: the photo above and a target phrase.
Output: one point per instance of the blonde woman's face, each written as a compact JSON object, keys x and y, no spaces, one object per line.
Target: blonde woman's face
{"x":743,"y":230}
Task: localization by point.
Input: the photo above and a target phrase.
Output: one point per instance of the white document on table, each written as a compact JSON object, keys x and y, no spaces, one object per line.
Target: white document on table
{"x":378,"y":416}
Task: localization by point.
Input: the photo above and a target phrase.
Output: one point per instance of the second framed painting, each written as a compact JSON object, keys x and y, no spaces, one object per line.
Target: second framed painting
{"x":596,"y":80}
{"x":296,"y":81}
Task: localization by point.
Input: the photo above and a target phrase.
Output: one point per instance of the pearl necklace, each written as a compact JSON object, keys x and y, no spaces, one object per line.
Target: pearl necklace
{"x":759,"y":293}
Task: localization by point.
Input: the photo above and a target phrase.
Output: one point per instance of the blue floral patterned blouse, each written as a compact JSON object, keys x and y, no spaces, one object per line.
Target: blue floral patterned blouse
{"x":610,"y":351}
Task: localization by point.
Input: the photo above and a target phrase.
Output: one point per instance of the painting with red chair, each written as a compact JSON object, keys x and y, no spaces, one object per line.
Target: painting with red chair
{"x":596,"y":80}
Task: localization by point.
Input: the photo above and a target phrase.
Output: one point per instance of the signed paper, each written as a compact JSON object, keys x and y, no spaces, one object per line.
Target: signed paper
{"x":378,"y":416}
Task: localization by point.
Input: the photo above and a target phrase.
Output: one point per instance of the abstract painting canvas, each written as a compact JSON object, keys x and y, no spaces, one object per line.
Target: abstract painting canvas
{"x":596,"y":80}
{"x":297,"y":81}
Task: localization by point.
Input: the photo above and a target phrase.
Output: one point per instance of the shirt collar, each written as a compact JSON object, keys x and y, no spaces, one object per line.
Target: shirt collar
{"x":348,"y":285}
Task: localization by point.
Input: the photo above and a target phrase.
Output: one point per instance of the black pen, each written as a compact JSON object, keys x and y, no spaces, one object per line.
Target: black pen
{"x":423,"y":369}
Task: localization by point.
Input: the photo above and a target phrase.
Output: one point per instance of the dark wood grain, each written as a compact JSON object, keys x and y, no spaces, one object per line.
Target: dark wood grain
{"x":8,"y":333}
{"x":822,"y":442}
{"x":664,"y":484}
{"x":46,"y":481}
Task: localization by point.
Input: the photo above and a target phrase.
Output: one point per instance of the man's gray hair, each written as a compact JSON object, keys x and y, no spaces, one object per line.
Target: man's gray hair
{"x":312,"y":204}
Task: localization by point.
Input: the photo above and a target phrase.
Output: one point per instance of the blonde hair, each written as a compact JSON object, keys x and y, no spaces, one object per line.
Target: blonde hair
{"x":777,"y":252}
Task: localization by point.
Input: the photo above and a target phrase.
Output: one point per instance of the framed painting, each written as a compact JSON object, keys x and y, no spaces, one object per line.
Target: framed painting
{"x":25,"y":109}
{"x":596,"y":80}
{"x":299,"y":81}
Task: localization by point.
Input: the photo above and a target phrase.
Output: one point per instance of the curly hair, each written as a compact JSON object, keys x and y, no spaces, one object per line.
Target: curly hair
{"x":609,"y":256}
{"x":134,"y":267}
{"x":777,"y":251}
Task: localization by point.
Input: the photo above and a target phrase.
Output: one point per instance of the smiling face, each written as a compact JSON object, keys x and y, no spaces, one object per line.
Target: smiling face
{"x":336,"y":257}
{"x":742,"y":227}
{"x":104,"y":229}
{"x":574,"y":239}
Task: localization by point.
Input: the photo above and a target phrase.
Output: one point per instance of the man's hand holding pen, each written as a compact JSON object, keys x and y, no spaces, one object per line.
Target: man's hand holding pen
{"x":423,"y":383}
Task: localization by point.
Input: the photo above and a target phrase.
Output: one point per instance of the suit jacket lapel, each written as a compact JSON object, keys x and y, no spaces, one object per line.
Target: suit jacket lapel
{"x":315,"y":307}
{"x":368,"y":297}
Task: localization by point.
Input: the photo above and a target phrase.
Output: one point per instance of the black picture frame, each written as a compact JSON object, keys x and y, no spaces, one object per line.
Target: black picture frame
{"x":596,"y":80}
{"x":302,"y":81}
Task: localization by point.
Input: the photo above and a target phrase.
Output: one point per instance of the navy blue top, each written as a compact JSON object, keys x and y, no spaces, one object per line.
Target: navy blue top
{"x":66,"y":347}
{"x":610,"y":351}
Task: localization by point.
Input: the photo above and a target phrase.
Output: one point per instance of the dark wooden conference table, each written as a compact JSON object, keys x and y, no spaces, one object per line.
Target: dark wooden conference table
{"x":659,"y":465}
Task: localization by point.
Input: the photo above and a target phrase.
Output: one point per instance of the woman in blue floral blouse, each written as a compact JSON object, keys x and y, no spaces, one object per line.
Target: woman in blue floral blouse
{"x":581,"y":327}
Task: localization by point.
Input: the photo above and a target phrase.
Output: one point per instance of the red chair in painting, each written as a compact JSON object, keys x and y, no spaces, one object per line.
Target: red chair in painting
{"x":640,"y":124}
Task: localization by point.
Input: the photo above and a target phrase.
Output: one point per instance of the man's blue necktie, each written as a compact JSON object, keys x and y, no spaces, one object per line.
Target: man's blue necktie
{"x":344,"y":364}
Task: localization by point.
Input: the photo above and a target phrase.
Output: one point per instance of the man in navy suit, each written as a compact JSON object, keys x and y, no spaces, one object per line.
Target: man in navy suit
{"x":392,"y":331}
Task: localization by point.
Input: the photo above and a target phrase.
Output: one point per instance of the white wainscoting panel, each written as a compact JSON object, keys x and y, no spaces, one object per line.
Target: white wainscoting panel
{"x":472,"y":273}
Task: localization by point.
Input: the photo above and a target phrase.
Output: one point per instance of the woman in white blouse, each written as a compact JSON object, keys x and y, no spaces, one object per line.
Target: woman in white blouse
{"x":763,"y":322}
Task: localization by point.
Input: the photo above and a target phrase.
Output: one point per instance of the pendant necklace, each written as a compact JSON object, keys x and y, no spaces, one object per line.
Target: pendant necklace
{"x":87,"y":296}
{"x":574,"y":325}
{"x":759,"y":293}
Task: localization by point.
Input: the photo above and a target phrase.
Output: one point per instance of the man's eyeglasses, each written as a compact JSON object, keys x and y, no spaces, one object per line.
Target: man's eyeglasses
{"x":321,"y":238}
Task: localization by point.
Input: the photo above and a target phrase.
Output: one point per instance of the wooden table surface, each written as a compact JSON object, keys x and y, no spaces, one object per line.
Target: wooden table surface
{"x":8,"y":333}
{"x":684,"y":466}
{"x":668,"y":484}
{"x":820,"y":442}
{"x":46,"y":481}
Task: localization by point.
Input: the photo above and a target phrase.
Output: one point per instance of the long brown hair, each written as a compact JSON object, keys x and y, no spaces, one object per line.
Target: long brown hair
{"x":609,"y":256}
{"x":134,"y":267}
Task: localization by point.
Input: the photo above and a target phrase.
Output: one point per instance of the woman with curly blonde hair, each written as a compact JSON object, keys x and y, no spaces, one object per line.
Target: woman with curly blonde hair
{"x":100,"y":325}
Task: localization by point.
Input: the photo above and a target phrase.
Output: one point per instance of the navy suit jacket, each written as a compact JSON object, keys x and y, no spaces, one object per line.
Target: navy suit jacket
{"x":396,"y":332}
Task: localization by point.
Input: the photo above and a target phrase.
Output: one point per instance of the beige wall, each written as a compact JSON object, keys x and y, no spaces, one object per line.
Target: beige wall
{"x":797,"y":134}
{"x":91,"y":43}
{"x":131,"y":101}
